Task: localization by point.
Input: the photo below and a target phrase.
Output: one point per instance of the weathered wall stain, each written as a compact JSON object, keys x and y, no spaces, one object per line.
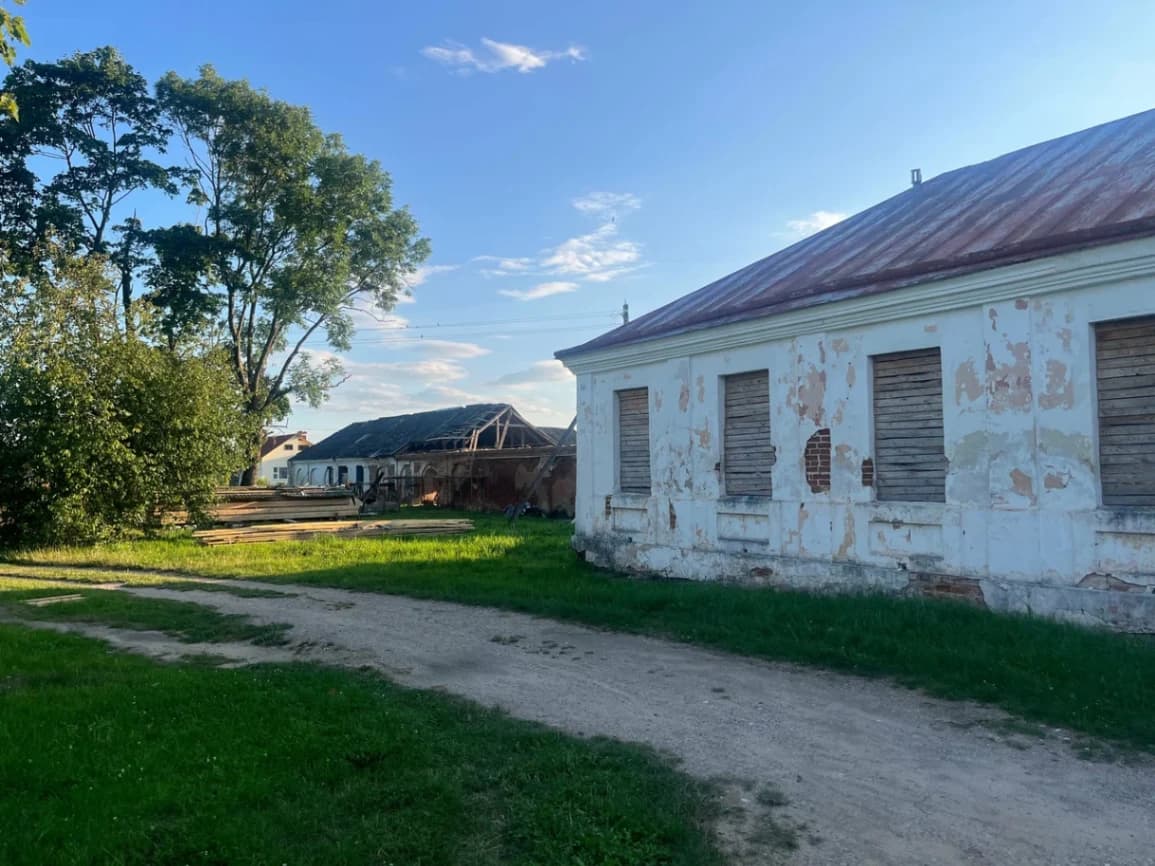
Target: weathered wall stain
{"x":1010,"y":383}
{"x":658,"y":399}
{"x":812,"y":394}
{"x":704,"y":435}
{"x":840,"y":345}
{"x":851,"y":375}
{"x":1073,"y":446}
{"x":1056,"y":480}
{"x":848,"y":539}
{"x":673,"y":516}
{"x":868,"y":472}
{"x":684,"y":398}
{"x":701,"y":389}
{"x":966,"y":382}
{"x":1020,"y":303}
{"x":1022,"y":484}
{"x":1060,"y":390}
{"x":930,"y":329}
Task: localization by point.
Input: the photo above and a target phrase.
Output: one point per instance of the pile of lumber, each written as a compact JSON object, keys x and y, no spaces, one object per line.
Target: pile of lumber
{"x":287,"y":508}
{"x":335,"y":528}
{"x":263,"y":504}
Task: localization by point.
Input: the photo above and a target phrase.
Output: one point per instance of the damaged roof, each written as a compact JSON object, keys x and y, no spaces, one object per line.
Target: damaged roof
{"x":1086,"y":189}
{"x":439,"y":429}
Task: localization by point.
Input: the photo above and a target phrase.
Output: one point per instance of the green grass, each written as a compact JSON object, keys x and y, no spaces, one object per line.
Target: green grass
{"x":185,"y":621}
{"x":1089,"y":681}
{"x":114,"y":759}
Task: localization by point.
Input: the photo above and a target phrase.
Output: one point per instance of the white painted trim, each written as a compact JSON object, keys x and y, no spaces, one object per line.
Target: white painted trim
{"x":1043,"y":276}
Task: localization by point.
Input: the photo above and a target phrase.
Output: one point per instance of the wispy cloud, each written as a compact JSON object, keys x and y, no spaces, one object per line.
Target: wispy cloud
{"x":450,"y":349}
{"x":816,"y":222}
{"x":542,"y":290}
{"x":596,"y":257}
{"x":607,"y":204}
{"x":498,"y":56}
{"x":538,"y":373}
{"x":424,"y":272}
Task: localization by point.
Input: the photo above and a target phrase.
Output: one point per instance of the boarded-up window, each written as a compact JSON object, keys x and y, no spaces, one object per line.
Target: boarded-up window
{"x":634,"y":440}
{"x":748,"y":453}
{"x":909,"y":459}
{"x":1125,"y":363}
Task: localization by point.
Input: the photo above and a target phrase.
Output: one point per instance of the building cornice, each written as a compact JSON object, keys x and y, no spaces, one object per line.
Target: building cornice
{"x":1039,"y":277}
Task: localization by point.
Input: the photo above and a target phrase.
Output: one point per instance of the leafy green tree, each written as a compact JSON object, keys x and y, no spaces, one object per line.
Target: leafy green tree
{"x":12,"y":33}
{"x":295,"y":229}
{"x":100,"y":431}
{"x":94,"y":117}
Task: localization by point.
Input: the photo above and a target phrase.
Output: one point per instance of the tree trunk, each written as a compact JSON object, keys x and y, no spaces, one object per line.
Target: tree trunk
{"x":251,"y":473}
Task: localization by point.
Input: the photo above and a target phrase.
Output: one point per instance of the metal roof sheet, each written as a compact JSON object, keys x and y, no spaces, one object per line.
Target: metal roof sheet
{"x":1088,"y":188}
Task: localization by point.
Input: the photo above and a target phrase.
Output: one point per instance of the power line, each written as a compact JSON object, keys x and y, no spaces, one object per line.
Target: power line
{"x":480,"y":322}
{"x":401,"y":341}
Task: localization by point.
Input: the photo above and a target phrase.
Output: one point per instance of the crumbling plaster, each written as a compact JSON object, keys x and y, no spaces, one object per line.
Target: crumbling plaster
{"x":1022,"y":515}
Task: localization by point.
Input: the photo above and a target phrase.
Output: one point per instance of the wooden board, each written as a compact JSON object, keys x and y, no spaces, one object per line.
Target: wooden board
{"x":634,"y":440}
{"x":909,"y":457}
{"x":339,"y":529}
{"x":1125,"y":368}
{"x":747,"y":453}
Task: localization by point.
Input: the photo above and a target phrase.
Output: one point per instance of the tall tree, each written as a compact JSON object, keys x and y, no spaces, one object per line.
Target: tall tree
{"x":95,"y":117}
{"x":12,"y":33}
{"x":295,"y":229}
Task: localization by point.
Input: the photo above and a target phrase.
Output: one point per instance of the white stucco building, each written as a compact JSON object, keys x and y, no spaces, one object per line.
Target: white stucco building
{"x":952,"y":392}
{"x":276,"y":452}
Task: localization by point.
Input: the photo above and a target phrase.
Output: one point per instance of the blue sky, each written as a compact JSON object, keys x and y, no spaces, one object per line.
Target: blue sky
{"x":564,"y":158}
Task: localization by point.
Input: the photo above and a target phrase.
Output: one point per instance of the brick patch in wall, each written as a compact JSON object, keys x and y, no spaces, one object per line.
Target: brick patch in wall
{"x":966,"y":589}
{"x":817,"y":459}
{"x":868,"y":472}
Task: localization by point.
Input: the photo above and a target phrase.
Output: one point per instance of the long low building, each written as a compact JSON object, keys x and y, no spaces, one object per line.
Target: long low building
{"x":952,"y":392}
{"x":485,"y":456}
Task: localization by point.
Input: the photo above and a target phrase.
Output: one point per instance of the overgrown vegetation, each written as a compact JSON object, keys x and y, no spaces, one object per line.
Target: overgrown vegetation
{"x":1089,"y":681}
{"x":109,"y":758}
{"x":100,"y":431}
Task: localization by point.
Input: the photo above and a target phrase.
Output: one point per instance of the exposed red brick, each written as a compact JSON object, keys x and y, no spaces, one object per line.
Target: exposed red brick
{"x":817,"y":459}
{"x":868,"y":472}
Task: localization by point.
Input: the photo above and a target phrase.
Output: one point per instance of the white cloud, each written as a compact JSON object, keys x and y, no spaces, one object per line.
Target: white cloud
{"x":597,"y":257}
{"x":816,"y":222}
{"x":607,"y":204}
{"x":505,"y":267}
{"x":498,"y":56}
{"x":424,"y":272}
{"x":542,"y":290}
{"x":538,"y":373}
{"x":449,"y":348}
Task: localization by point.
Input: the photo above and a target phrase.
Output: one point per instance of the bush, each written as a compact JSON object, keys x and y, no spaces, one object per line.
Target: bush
{"x":99,"y":429}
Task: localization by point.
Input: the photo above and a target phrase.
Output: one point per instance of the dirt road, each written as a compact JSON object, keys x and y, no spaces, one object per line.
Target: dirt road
{"x":873,"y":774}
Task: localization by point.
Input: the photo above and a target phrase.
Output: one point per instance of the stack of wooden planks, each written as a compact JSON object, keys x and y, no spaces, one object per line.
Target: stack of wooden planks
{"x":287,"y":508}
{"x":335,"y":528}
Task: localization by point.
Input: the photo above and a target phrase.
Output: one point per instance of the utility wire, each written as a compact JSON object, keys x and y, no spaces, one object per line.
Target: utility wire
{"x":384,"y":326}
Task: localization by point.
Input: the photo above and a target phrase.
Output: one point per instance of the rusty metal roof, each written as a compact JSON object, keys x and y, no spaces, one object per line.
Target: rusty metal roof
{"x":1085,"y":189}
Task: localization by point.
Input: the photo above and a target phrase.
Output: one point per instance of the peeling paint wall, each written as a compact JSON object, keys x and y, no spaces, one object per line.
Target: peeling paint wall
{"x":1022,"y":515}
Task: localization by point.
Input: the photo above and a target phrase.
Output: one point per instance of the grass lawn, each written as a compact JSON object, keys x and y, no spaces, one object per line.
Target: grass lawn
{"x":188,"y":622}
{"x":114,"y":759}
{"x":1092,"y":682}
